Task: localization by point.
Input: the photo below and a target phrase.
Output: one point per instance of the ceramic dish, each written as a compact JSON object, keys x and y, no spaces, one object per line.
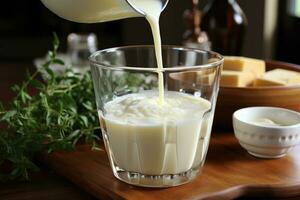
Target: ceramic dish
{"x":267,"y":132}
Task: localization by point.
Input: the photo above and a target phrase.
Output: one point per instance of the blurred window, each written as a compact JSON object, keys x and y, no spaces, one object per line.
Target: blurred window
{"x":294,"y":7}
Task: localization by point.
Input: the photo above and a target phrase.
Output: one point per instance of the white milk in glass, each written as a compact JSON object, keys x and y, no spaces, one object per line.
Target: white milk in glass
{"x":150,"y":139}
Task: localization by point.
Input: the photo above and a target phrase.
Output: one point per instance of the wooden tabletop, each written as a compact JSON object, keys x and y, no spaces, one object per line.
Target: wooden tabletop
{"x":280,"y":176}
{"x":220,"y":170}
{"x":44,"y":185}
{"x":228,"y":173}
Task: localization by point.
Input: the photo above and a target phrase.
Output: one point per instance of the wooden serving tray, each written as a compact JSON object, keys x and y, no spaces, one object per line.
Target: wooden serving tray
{"x":229,"y":172}
{"x":231,"y":99}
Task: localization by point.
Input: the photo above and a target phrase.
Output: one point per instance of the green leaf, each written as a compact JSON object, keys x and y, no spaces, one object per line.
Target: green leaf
{"x":51,"y":55}
{"x":15,"y":88}
{"x":74,"y":134}
{"x":15,"y":172}
{"x":1,"y":107}
{"x":55,"y":42}
{"x":24,"y":96}
{"x":58,"y":61}
{"x":8,"y":115}
{"x":88,"y":105}
{"x":37,"y":84}
{"x":84,"y":120}
{"x":47,"y":64}
{"x":27,"y":74}
{"x":48,"y":117}
{"x":50,"y":73}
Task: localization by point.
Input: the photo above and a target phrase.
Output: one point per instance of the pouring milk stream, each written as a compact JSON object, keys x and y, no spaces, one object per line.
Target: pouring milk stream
{"x":93,"y":11}
{"x":148,"y":135}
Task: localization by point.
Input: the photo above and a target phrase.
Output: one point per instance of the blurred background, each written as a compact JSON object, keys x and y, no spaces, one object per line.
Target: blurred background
{"x":26,"y":28}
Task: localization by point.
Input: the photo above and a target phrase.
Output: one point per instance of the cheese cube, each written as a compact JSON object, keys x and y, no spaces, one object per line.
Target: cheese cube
{"x":254,"y":66}
{"x":195,"y":77}
{"x":236,"y":78}
{"x":278,"y":77}
{"x":265,"y":82}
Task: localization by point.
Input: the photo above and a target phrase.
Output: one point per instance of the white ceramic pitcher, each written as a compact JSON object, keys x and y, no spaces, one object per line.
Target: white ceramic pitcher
{"x":93,"y":11}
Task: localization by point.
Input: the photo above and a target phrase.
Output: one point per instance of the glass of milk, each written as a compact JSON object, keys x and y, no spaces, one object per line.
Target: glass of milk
{"x":156,"y":136}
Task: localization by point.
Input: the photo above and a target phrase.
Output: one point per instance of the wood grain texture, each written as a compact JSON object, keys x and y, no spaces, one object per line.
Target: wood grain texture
{"x":229,"y":173}
{"x":231,"y":99}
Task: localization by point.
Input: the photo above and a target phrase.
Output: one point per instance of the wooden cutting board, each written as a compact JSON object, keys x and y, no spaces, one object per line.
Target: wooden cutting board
{"x":229,"y":172}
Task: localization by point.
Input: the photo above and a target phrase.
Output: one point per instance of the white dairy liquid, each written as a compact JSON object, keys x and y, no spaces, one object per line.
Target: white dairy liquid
{"x":147,"y":138}
{"x":152,"y":10}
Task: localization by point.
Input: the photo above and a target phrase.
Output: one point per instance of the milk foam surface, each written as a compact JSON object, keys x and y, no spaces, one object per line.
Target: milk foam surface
{"x":144,"y":108}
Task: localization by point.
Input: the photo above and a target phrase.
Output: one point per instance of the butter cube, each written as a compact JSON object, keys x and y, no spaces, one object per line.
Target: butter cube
{"x":278,"y":77}
{"x":254,"y":66}
{"x":236,"y":78}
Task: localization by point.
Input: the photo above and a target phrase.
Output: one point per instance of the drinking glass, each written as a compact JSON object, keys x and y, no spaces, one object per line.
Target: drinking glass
{"x":164,"y":153}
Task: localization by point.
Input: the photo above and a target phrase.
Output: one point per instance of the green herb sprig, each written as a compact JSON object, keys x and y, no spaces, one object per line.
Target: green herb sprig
{"x":62,"y":112}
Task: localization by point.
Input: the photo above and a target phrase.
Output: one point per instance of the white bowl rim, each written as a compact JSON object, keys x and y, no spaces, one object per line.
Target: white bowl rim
{"x":278,"y":109}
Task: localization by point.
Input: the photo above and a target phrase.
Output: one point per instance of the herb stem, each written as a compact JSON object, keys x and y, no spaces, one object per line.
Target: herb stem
{"x":91,"y":129}
{"x":66,"y":89}
{"x":25,"y":85}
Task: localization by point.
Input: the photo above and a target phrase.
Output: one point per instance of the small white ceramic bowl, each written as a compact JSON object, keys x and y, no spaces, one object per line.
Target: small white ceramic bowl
{"x":255,"y":131}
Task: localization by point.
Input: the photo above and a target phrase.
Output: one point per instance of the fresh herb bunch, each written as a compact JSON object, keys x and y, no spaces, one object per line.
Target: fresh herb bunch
{"x":62,"y":112}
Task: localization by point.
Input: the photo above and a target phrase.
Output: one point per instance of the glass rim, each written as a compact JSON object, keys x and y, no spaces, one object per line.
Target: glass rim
{"x":168,"y":69}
